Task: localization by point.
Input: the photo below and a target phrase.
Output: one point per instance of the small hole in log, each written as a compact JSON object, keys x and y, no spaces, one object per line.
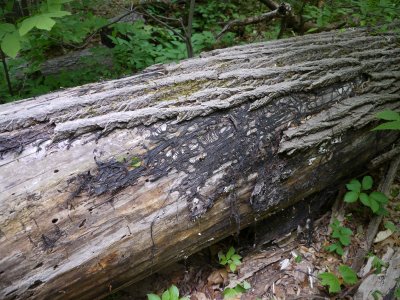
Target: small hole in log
{"x":82,"y":223}
{"x":55,"y":171}
{"x":35,"y":284}
{"x":55,"y":267}
{"x":38,"y":265}
{"x":54,"y":221}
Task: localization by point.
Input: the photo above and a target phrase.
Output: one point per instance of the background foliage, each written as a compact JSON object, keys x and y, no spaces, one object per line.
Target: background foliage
{"x":45,"y":29}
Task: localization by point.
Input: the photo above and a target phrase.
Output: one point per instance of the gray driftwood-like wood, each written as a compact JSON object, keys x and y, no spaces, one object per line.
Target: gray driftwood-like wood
{"x":105,"y":183}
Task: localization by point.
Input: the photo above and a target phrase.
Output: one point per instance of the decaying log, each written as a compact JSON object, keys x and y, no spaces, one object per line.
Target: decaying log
{"x":104,"y":183}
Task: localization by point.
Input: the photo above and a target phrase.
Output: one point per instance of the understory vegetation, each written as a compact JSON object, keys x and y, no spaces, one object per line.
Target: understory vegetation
{"x":50,"y":45}
{"x":117,"y":38}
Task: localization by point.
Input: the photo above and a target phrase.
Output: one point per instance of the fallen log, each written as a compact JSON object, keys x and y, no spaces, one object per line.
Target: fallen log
{"x":105,"y":183}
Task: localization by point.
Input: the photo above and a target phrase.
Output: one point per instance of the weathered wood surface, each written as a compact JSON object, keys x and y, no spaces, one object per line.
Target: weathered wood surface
{"x":222,"y":140}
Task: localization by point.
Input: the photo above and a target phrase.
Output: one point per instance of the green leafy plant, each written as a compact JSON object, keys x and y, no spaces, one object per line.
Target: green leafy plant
{"x":231,"y":259}
{"x":342,"y":234}
{"x":392,"y":118}
{"x":171,"y":294}
{"x":329,"y":279}
{"x":377,"y":264}
{"x":389,"y":225}
{"x":237,"y":290}
{"x":358,"y":191}
{"x":12,"y":35}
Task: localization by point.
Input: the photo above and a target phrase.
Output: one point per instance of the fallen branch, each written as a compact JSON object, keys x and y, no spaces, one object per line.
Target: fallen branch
{"x":281,"y":11}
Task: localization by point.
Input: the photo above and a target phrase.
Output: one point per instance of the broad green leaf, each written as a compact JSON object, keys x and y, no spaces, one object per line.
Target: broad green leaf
{"x":374,"y":205}
{"x":365,"y":200}
{"x":6,"y":28}
{"x":354,"y":186}
{"x":331,"y":248}
{"x":345,"y":240}
{"x":230,"y":252}
{"x":330,"y":280}
{"x":153,"y":297}
{"x":367,"y":183}
{"x":346,"y":231}
{"x":351,"y":197}
{"x":389,"y":225}
{"x":232,"y":267}
{"x":348,"y":274}
{"x":44,"y":22}
{"x":27,"y":25}
{"x":173,"y":292}
{"x":394,"y":125}
{"x":339,"y":250}
{"x":240,"y":289}
{"x":388,"y":115}
{"x":380,"y":197}
{"x":229,"y":293}
{"x":165,"y":296}
{"x":11,"y":44}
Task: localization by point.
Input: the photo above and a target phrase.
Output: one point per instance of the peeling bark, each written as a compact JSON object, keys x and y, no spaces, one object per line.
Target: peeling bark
{"x":105,"y":183}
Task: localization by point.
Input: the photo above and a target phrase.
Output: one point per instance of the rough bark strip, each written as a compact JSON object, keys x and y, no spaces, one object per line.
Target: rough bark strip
{"x":111,"y":172}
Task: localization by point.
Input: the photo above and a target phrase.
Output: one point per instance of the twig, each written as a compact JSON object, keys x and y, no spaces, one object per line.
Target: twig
{"x":164,"y":24}
{"x":376,"y":220}
{"x":376,"y":162}
{"x":281,"y":11}
{"x":188,"y":32}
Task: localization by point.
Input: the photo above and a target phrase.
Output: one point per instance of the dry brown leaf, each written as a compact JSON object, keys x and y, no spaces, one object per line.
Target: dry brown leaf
{"x":219,"y":276}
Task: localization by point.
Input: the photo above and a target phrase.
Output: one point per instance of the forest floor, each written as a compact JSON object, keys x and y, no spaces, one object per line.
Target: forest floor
{"x":288,"y":268}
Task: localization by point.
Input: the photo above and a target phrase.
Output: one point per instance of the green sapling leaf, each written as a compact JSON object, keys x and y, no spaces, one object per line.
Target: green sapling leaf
{"x":348,"y":274}
{"x":379,"y":197}
{"x":388,"y":115}
{"x":330,"y":280}
{"x":394,"y":125}
{"x":351,"y":197}
{"x":354,"y":185}
{"x":367,"y":183}
{"x":389,"y":225}
{"x":374,"y":205}
{"x":230,"y":252}
{"x":173,"y":292}
{"x":165,"y":296}
{"x":153,"y":297}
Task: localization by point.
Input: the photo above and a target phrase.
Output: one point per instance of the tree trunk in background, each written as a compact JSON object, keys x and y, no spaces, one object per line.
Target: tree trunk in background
{"x":105,"y":183}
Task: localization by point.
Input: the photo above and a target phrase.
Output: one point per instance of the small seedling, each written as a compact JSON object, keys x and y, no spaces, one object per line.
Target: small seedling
{"x":230,"y":258}
{"x":238,"y":289}
{"x":171,"y":294}
{"x":377,"y":264}
{"x":392,"y":118}
{"x":389,"y":225}
{"x":347,"y":274}
{"x":298,"y":259}
{"x":342,"y":234}
{"x":357,"y":191}
{"x":136,"y":162}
